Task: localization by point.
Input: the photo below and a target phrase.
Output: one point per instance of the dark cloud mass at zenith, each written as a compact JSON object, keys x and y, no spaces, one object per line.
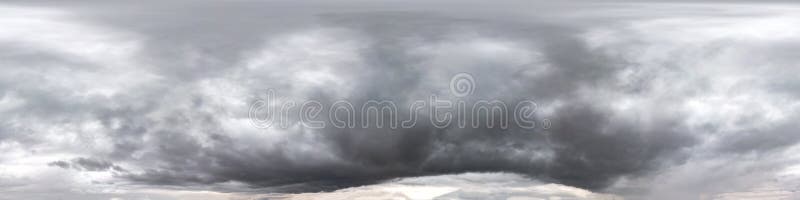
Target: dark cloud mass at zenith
{"x":644,"y":100}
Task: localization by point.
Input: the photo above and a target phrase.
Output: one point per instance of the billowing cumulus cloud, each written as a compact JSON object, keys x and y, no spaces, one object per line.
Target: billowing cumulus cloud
{"x":649,"y":100}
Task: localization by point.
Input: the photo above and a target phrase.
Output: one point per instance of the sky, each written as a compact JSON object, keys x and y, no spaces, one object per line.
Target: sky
{"x":169,"y":99}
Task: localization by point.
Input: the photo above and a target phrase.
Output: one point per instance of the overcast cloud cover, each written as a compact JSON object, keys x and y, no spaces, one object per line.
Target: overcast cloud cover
{"x":645,"y":100}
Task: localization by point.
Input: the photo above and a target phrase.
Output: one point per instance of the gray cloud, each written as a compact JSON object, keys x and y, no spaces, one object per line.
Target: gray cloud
{"x":160,"y":95}
{"x":86,"y":164}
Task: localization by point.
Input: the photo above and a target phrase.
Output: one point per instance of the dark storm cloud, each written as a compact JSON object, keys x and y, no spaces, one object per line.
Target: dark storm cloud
{"x":582,"y":154}
{"x":171,"y":131}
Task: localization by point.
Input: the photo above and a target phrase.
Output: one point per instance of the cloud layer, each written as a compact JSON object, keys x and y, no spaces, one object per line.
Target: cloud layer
{"x":157,"y":97}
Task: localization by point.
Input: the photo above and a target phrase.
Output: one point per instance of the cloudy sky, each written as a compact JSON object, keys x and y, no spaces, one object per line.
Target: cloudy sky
{"x":643,"y":100}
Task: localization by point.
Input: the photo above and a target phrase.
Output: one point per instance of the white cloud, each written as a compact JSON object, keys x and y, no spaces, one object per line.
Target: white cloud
{"x":457,"y":186}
